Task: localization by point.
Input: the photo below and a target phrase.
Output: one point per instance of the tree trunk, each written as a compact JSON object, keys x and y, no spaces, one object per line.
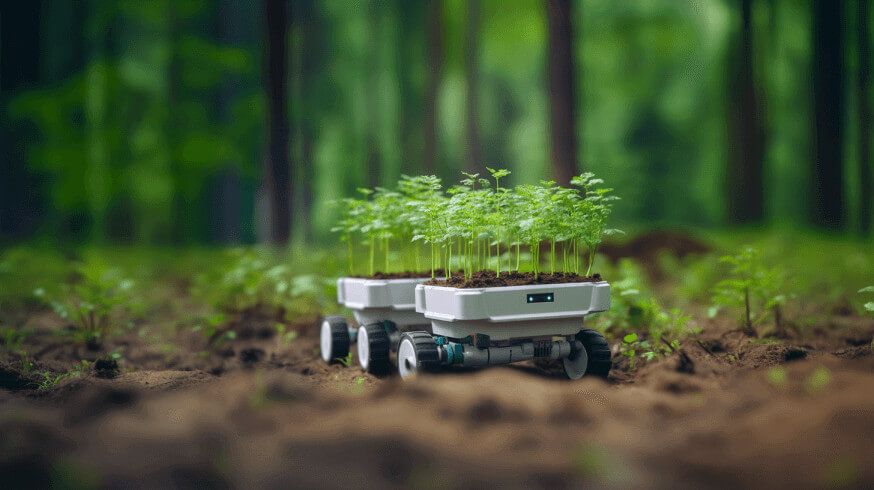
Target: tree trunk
{"x":562,"y":91}
{"x":828,"y":95}
{"x":410,"y":17}
{"x":744,"y":179}
{"x":278,"y":175}
{"x":308,"y":51}
{"x":20,"y":50}
{"x":372,"y":160}
{"x":473,"y":156}
{"x":182,"y":232}
{"x":435,"y":61}
{"x":864,"y":52}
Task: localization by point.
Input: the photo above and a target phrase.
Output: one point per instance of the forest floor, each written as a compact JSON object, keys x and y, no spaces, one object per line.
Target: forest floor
{"x":262,"y":410}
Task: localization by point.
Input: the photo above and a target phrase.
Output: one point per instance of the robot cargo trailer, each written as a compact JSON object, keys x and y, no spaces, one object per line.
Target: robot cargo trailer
{"x":477,"y":327}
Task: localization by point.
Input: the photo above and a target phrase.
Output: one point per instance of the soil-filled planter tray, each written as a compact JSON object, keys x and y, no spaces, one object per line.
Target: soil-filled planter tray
{"x":505,"y":313}
{"x":376,"y":300}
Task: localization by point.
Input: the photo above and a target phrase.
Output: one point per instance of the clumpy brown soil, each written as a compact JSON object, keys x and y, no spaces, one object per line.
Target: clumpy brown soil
{"x":489,"y":279}
{"x":258,"y":411}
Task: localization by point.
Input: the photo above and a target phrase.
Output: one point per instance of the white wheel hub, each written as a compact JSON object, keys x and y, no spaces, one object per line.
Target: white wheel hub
{"x":325,"y":343}
{"x":406,"y":359}
{"x":363,"y":348}
{"x":576,"y":368}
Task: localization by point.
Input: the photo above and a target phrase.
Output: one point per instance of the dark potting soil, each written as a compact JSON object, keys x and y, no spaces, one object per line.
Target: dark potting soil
{"x":400,"y":275}
{"x":488,"y":279}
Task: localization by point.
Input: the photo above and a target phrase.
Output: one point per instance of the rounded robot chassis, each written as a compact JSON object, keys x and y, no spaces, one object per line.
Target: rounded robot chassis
{"x":585,"y":353}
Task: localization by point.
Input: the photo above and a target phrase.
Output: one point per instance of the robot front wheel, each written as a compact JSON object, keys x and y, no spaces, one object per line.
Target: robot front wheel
{"x":334,"y":338}
{"x":372,"y":340}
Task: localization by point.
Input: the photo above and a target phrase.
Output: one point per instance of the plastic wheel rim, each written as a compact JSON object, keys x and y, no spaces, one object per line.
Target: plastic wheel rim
{"x":363,"y":348}
{"x":406,"y":359}
{"x":325,"y":342}
{"x":576,"y":368}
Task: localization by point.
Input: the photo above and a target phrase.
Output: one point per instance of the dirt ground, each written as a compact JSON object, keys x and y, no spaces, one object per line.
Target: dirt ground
{"x":264,"y":413}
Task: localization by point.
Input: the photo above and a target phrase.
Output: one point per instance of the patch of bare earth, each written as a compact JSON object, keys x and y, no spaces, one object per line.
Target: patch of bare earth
{"x":261,"y":412}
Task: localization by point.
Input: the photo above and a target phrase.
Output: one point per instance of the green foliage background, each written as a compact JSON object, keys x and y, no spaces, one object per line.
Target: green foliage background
{"x":155,"y":131}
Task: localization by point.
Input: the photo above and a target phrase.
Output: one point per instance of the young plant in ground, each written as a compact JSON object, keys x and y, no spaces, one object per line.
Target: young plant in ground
{"x":869,"y":306}
{"x":92,"y":300}
{"x":258,"y":280}
{"x":754,"y":287}
{"x":653,"y":330}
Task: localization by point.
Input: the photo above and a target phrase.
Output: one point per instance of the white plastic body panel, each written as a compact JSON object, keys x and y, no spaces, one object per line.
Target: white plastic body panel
{"x":504,"y":313}
{"x":375,"y":300}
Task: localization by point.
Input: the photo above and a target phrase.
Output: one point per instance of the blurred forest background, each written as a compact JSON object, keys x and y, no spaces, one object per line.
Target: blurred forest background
{"x":230,"y":121}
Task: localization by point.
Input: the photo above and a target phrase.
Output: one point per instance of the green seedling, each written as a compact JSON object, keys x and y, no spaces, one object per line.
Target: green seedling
{"x":777,"y":376}
{"x":467,"y":226}
{"x":345,"y":361}
{"x":258,"y":279}
{"x":12,"y":338}
{"x":656,"y":332}
{"x":754,"y":287}
{"x":51,"y":380}
{"x":818,"y":380}
{"x":285,"y":334}
{"x":91,"y":301}
{"x":869,"y":306}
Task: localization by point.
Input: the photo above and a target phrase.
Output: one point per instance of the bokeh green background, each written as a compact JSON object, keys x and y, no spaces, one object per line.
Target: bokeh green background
{"x":147,"y":122}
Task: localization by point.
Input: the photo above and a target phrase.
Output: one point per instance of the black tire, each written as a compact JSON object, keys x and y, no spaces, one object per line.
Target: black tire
{"x":425,"y":355}
{"x":375,"y":345}
{"x":334,"y":338}
{"x":600,"y":358}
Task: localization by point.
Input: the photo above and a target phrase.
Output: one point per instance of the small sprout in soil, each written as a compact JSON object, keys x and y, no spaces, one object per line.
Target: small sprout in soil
{"x":99,"y":295}
{"x":51,"y":380}
{"x":12,"y":338}
{"x":777,"y":376}
{"x":656,"y":332}
{"x":286,"y":335}
{"x":754,"y":287}
{"x":842,"y":472}
{"x":869,"y":306}
{"x":262,"y":280}
{"x":345,"y":361}
{"x":818,"y":380}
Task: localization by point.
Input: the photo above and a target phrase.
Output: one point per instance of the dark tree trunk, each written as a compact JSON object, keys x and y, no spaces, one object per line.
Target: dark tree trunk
{"x":372,"y":161}
{"x":828,"y":95}
{"x":435,"y":62}
{"x":864,"y":43}
{"x":473,"y":156}
{"x":182,"y":228}
{"x":19,"y":70}
{"x":278,"y":175}
{"x":310,"y":53}
{"x":410,"y":55}
{"x":562,"y":91}
{"x":236,"y":27}
{"x":744,"y":179}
